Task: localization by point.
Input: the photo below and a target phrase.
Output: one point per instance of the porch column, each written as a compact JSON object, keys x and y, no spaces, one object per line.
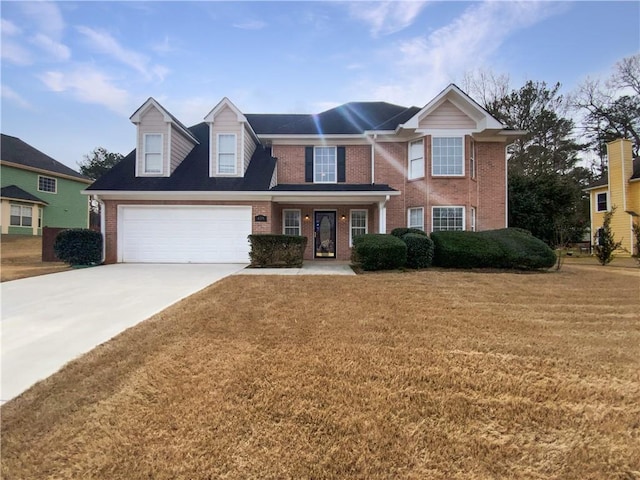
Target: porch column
{"x":382,"y":212}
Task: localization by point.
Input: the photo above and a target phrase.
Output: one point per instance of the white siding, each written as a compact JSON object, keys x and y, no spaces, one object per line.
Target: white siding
{"x":447,"y":115}
{"x":226,"y":121}
{"x":249,"y":147}
{"x":152,"y":121}
{"x":180,"y":147}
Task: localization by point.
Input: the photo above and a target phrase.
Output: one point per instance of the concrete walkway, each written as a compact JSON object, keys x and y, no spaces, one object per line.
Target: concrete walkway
{"x":52,"y":319}
{"x":314,"y":267}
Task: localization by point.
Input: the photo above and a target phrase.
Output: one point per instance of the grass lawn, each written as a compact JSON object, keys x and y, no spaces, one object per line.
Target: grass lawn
{"x":424,"y":375}
{"x":21,"y":257}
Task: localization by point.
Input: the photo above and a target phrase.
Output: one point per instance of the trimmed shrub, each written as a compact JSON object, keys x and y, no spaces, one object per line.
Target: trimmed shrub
{"x":419,"y":250}
{"x":375,"y":251}
{"x":79,"y":246}
{"x":277,"y":250}
{"x":504,"y":248}
{"x":402,"y":231}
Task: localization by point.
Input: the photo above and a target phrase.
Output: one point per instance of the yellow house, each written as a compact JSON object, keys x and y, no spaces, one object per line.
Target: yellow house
{"x":620,"y":189}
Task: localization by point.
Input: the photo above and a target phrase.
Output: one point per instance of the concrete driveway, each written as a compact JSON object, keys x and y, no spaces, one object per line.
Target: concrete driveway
{"x":52,"y":319}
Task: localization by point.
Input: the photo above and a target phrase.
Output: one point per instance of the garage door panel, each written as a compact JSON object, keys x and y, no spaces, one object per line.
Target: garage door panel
{"x":185,"y":234}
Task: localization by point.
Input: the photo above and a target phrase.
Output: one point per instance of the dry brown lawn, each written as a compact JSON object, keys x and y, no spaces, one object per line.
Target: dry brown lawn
{"x":424,"y":375}
{"x":21,"y":257}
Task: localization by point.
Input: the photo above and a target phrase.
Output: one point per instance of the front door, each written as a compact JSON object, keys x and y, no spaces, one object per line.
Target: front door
{"x":325,"y":235}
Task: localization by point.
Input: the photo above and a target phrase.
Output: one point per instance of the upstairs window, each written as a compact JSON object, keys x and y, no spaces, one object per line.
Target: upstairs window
{"x":416,"y":218}
{"x":21,"y":216}
{"x":227,"y":153}
{"x":472,"y":159}
{"x":447,"y":218}
{"x":153,"y":153}
{"x":47,"y":184}
{"x":325,"y":165}
{"x":447,"y":156}
{"x":291,"y":222}
{"x":416,"y":159}
{"x":601,"y":202}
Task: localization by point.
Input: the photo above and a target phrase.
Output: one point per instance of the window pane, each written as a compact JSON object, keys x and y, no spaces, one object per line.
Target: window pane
{"x":291,"y":222}
{"x":153,"y":163}
{"x":227,"y":153}
{"x":447,"y":156}
{"x":153,"y":143}
{"x":325,"y":164}
{"x":358,"y":223}
{"x":448,"y":218}
{"x":47,"y":184}
{"x":26,"y":217}
{"x":416,"y":218}
{"x":602,"y":202}
{"x":227,"y":144}
{"x":416,"y":159}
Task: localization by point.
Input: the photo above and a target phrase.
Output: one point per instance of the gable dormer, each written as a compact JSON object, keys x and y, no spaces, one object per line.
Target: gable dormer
{"x":163,"y":142}
{"x":453,"y":109}
{"x":232,"y":141}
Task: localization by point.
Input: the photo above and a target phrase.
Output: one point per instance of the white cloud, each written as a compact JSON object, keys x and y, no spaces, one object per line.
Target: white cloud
{"x":47,"y":17}
{"x":15,"y":53}
{"x":56,"y":49}
{"x":106,"y":44}
{"x":250,"y":25}
{"x":8,"y":28}
{"x":89,"y":85}
{"x":386,"y":17}
{"x":420,"y":67}
{"x":163,"y":47}
{"x":11,"y":95}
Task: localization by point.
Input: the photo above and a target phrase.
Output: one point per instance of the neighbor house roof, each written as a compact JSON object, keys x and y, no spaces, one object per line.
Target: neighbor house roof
{"x":603,"y":182}
{"x":14,"y":192}
{"x":15,"y":151}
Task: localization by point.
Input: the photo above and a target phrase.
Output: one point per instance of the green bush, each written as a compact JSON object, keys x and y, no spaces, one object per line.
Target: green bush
{"x":402,"y":231}
{"x":419,"y":250}
{"x":379,"y":252}
{"x":79,"y":246}
{"x":505,"y":248}
{"x":277,"y":250}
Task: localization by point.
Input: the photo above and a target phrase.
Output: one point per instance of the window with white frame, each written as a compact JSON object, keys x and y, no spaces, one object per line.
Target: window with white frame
{"x":472,"y":159}
{"x":601,"y":202}
{"x":227,"y":153}
{"x":291,"y":222}
{"x":416,"y":159}
{"x":153,"y":153}
{"x":358,"y":224}
{"x":447,"y":218}
{"x":447,"y":157}
{"x":473,"y":219}
{"x":325,"y":165}
{"x":21,"y":216}
{"x":415,"y":218}
{"x":47,"y":184}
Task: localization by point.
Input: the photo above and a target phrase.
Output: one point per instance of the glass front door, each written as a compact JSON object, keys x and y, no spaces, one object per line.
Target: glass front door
{"x":325,"y":234}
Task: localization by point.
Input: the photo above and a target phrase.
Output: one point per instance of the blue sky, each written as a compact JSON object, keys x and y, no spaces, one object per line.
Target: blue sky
{"x":73,"y":72}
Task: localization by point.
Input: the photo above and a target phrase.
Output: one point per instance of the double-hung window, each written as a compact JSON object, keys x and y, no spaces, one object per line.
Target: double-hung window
{"x":415,"y":218}
{"x":291,"y":222}
{"x":447,"y":218}
{"x":416,"y":159}
{"x":358,"y":224}
{"x":472,"y":159}
{"x":325,"y":165}
{"x":601,"y":202}
{"x":47,"y":184}
{"x":447,"y":156}
{"x":21,"y":216}
{"x":227,"y":153}
{"x":153,"y":153}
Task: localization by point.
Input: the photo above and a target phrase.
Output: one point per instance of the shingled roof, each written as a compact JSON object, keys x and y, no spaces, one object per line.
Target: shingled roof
{"x":14,"y":150}
{"x":16,"y":193}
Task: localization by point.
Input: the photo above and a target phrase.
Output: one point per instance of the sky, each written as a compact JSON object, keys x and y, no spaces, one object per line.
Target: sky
{"x":72,"y":73}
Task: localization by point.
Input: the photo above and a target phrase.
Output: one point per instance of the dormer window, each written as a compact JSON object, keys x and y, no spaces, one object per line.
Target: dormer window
{"x":227,"y":153}
{"x":153,"y":153}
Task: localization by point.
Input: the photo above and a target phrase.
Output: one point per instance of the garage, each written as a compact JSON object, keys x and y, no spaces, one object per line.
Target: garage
{"x":183,"y":234}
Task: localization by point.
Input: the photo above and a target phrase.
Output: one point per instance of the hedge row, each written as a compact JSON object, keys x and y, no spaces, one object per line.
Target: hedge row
{"x":509,"y":248}
{"x":277,"y":250}
{"x":79,"y":246}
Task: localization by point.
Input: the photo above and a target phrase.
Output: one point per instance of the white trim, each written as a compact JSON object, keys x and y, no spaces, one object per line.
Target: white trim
{"x":606,"y":195}
{"x":409,"y":217}
{"x":366,"y":222}
{"x":144,"y":155}
{"x":410,"y":159}
{"x":473,"y":172}
{"x":474,"y":219}
{"x":299,"y":211}
{"x":168,"y":159}
{"x":464,"y":169}
{"x":21,"y":207}
{"x":335,"y":157}
{"x":136,"y":118}
{"x":55,"y":183}
{"x":235,"y":153}
{"x":464,"y":213}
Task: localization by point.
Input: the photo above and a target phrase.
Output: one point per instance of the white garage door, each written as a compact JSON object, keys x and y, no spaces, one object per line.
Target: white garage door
{"x":177,"y":234}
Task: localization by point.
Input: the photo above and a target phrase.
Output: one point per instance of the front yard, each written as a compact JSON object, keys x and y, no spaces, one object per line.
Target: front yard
{"x":424,"y":375}
{"x":21,"y":257}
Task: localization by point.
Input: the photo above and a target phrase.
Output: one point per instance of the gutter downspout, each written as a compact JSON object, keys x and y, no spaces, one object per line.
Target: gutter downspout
{"x":103,"y":214}
{"x":373,"y":157}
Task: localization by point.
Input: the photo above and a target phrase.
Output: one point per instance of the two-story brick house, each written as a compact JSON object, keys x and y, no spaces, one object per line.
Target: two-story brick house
{"x":194,"y":194}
